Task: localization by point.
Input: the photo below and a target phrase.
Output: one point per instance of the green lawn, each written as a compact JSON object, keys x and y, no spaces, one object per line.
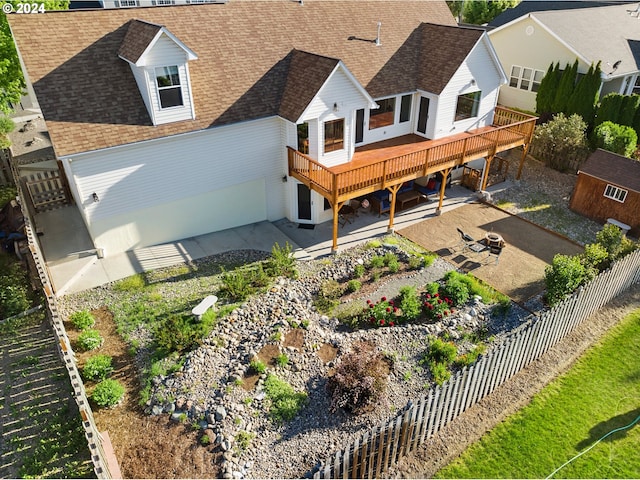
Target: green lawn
{"x":601,"y":393}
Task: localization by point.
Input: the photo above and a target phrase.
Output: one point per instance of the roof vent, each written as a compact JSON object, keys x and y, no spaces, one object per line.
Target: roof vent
{"x":378,"y":42}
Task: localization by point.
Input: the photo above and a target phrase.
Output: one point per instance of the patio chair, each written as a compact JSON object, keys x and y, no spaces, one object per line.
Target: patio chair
{"x":495,"y":250}
{"x":465,"y":240}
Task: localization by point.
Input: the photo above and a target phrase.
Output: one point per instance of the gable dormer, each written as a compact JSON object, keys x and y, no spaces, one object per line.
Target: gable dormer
{"x":159,"y":62}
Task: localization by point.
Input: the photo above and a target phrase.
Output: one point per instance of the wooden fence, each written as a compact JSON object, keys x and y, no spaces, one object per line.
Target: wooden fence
{"x":105,"y":466}
{"x":370,"y":455}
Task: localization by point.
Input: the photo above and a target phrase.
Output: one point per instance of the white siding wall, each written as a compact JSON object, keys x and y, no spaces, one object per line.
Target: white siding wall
{"x":183,"y":186}
{"x":164,"y":52}
{"x":142,"y":80}
{"x":479,"y":66}
{"x":341,"y":91}
{"x":528,"y":45}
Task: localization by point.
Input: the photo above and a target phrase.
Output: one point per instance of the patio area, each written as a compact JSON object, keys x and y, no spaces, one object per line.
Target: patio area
{"x":519,"y":273}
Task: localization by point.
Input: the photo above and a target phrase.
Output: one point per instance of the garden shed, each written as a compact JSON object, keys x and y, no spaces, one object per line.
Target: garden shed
{"x":608,"y":187}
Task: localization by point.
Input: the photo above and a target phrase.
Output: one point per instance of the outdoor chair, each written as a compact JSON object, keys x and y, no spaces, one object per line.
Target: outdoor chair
{"x":465,"y":240}
{"x":495,"y":250}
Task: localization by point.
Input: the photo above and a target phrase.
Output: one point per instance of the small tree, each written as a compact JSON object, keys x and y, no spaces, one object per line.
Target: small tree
{"x":584,"y":98}
{"x":609,"y":108}
{"x":565,"y":88}
{"x":6,"y":127}
{"x":547,"y":90}
{"x":563,"y":276}
{"x":560,"y":140}
{"x":615,"y":138}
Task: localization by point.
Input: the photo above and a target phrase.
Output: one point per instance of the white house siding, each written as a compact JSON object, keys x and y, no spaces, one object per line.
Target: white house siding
{"x":527,"y":44}
{"x":478,"y":66}
{"x":339,"y":90}
{"x":182,"y":186}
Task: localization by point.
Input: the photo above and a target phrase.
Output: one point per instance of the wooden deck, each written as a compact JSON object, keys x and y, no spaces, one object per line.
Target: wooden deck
{"x":388,"y":164}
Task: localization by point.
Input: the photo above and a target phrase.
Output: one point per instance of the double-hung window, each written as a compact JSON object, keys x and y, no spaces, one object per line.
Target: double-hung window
{"x":169,"y":88}
{"x":333,"y":135}
{"x":615,"y":193}
{"x":468,"y":105}
{"x":525,"y":78}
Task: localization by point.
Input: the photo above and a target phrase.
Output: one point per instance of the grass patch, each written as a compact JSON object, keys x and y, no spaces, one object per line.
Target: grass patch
{"x":598,"y":395}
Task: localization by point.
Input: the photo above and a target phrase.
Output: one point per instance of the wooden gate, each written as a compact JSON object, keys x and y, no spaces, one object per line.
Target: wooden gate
{"x":46,"y":190}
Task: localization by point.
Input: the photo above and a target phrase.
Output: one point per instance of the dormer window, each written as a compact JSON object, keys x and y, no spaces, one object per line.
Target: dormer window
{"x":169,"y":88}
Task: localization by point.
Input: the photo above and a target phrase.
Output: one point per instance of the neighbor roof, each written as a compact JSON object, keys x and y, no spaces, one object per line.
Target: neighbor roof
{"x":613,"y":168}
{"x":90,"y":100}
{"x":528,"y":6}
{"x":606,"y":33}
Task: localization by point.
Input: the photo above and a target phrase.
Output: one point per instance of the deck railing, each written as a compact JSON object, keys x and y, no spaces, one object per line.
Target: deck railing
{"x":511,"y":129}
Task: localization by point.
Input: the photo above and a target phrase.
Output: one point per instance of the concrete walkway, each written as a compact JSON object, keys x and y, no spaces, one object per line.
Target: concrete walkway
{"x":73,"y":265}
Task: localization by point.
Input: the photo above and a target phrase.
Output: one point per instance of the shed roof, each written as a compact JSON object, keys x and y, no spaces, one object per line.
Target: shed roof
{"x":612,"y":168}
{"x":90,"y":100}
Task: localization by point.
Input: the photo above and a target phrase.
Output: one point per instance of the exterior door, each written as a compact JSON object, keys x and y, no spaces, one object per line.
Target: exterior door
{"x":304,"y":203}
{"x":359,"y":125}
{"x":423,"y":115}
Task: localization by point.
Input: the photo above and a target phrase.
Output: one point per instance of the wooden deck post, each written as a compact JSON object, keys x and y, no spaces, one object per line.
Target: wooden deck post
{"x":393,"y":189}
{"x":525,"y":150}
{"x":485,"y":175}
{"x":443,"y":184}
{"x":336,"y":215}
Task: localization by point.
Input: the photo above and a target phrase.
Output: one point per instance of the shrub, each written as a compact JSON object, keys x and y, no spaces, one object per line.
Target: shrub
{"x":409,"y":302}
{"x":354,"y":285}
{"x":416,"y":262}
{"x":282,"y":262}
{"x":436,"y":307}
{"x":243,"y":440}
{"x":376,"y":262}
{"x":177,"y":333}
{"x":108,"y":393}
{"x":257,"y":366}
{"x":438,"y":357}
{"x":237,"y":284}
{"x":432,"y":288}
{"x":561,"y":140}
{"x":393,"y":265}
{"x":6,"y":127}
{"x":97,"y":367}
{"x":359,"y":379}
{"x":456,"y":290}
{"x":358,"y":271}
{"x":616,"y":138}
{"x":90,"y":339}
{"x":382,"y":313}
{"x":595,"y":258}
{"x":615,"y":242}
{"x":285,"y":402}
{"x":331,"y":289}
{"x":440,"y":372}
{"x":470,"y":357}
{"x":82,"y":320}
{"x":281,"y":360}
{"x":562,"y":277}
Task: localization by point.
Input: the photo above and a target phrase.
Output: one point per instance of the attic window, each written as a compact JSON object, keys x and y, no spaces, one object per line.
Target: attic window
{"x":169,"y":88}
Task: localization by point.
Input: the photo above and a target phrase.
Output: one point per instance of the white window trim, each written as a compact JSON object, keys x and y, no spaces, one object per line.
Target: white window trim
{"x":615,"y":193}
{"x":158,"y":88}
{"x":520,"y":78}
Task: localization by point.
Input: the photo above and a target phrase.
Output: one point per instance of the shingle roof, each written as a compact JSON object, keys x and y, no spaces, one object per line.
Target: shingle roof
{"x":138,"y":37}
{"x":90,"y":100}
{"x":528,"y":6}
{"x":447,"y":47}
{"x":616,"y":169}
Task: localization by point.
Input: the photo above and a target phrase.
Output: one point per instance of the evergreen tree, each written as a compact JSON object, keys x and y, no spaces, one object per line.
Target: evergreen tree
{"x":565,"y":87}
{"x":480,"y":12}
{"x":609,"y":109}
{"x":630,"y":105}
{"x":584,"y":98}
{"x":547,"y":90}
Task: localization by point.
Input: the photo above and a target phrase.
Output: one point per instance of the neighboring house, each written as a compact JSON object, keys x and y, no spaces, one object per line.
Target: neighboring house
{"x":178,"y":121}
{"x":527,"y":45}
{"x":85,"y":4}
{"x":608,"y":187}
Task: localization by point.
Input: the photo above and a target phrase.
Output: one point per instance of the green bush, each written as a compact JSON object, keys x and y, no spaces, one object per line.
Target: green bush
{"x":470,"y":357}
{"x":285,"y":402}
{"x":108,"y":393}
{"x":331,"y":289}
{"x":359,"y":380}
{"x":237,"y":284}
{"x":243,"y":440}
{"x":82,"y":320}
{"x":97,"y":367}
{"x":393,"y":265}
{"x":456,"y":290}
{"x":89,"y":339}
{"x":560,"y":140}
{"x":179,"y":333}
{"x":615,"y":138}
{"x":376,"y":262}
{"x":282,"y":262}
{"x":440,"y":372}
{"x":282,"y":360}
{"x":595,"y":258}
{"x":258,"y":366}
{"x":354,"y":285}
{"x":564,"y":275}
{"x":409,"y":302}
{"x":382,"y":313}
{"x":416,"y":262}
{"x":6,"y":127}
{"x":438,"y":357}
{"x":358,"y":271}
